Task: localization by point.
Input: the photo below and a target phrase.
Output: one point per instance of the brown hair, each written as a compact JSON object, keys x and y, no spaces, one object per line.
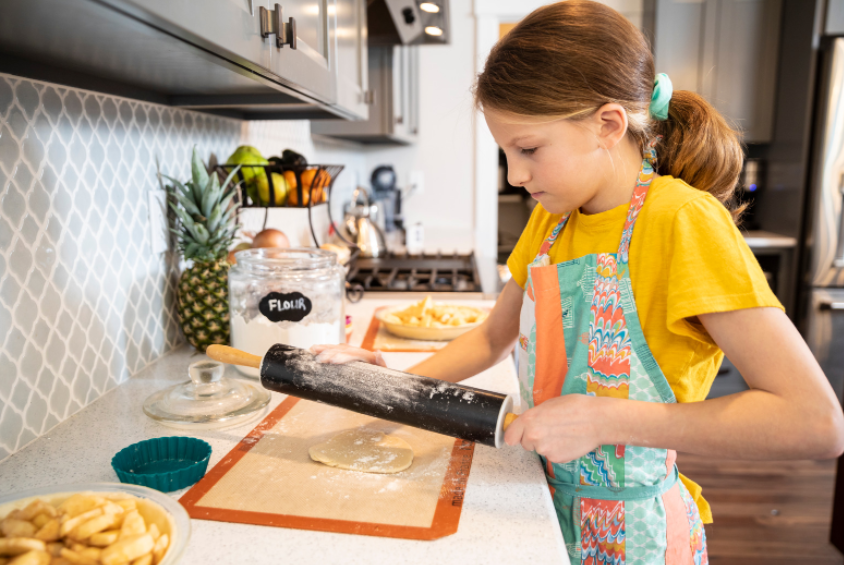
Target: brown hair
{"x":570,"y":58}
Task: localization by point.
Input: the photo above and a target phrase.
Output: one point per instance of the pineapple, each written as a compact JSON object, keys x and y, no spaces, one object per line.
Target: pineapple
{"x":205,"y":228}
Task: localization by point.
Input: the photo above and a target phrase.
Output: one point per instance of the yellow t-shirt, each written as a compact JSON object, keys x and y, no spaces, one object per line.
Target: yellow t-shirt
{"x":686,"y":258}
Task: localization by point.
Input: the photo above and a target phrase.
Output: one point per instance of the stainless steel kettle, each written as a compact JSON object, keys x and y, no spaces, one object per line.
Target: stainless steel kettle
{"x":360,"y":223}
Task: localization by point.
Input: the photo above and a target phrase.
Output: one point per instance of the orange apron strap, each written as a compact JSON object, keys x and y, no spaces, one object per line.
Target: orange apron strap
{"x":679,"y":550}
{"x":551,"y":362}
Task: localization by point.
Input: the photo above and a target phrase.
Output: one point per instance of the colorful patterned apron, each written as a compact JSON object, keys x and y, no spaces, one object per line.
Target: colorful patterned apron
{"x":580,"y":334}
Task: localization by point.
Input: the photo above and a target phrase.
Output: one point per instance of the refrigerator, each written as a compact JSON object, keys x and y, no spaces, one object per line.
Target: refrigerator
{"x":823,"y":281}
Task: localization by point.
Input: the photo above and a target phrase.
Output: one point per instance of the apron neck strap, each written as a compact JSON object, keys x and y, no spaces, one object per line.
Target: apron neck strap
{"x":548,"y":243}
{"x":643,"y":183}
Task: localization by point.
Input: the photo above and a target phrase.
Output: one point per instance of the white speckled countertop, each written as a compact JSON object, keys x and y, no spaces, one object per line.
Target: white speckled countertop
{"x":507,"y":513}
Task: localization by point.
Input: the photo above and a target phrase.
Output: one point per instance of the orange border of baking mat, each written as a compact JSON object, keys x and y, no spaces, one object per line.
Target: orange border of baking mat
{"x":372,"y":332}
{"x":444,"y":523}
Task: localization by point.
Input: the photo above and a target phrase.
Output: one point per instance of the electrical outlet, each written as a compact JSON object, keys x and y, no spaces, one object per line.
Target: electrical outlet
{"x":160,"y":235}
{"x":416,"y":182}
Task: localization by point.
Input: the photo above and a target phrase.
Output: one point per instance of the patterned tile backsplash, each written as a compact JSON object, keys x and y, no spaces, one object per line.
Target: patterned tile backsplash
{"x":84,"y":302}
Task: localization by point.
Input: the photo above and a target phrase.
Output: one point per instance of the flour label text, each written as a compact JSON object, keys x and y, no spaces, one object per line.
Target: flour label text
{"x":285,"y":307}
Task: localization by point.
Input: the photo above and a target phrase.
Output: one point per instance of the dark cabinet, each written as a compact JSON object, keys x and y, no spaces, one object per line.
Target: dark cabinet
{"x":726,"y":51}
{"x":310,"y":66}
{"x":394,"y":113}
{"x":834,"y":24}
{"x":231,"y":27}
{"x":352,"y":58}
{"x":211,"y":55}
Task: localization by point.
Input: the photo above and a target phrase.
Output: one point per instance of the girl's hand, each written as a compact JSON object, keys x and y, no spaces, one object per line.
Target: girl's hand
{"x":342,"y":354}
{"x":561,"y":429}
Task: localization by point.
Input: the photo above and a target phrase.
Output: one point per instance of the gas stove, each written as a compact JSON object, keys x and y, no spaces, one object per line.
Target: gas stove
{"x":417,"y":273}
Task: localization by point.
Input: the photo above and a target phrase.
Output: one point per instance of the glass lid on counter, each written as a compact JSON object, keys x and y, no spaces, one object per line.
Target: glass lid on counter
{"x":207,"y":400}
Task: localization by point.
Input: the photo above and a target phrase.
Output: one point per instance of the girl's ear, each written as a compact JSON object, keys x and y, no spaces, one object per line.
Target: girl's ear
{"x":611,"y":124}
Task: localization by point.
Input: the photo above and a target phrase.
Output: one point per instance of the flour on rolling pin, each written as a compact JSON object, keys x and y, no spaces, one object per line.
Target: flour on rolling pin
{"x":364,"y":381}
{"x":438,"y":406}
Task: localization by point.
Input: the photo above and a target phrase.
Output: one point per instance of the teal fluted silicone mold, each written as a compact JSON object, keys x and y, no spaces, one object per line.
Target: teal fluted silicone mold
{"x":164,"y":463}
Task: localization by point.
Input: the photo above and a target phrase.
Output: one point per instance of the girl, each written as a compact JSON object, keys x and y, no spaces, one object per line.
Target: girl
{"x":615,"y":384}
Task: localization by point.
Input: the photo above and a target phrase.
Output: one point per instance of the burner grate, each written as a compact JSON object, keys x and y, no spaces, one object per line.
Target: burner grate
{"x":425,"y":273}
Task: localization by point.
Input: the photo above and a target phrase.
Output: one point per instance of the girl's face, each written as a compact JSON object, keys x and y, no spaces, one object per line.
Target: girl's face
{"x":561,"y":163}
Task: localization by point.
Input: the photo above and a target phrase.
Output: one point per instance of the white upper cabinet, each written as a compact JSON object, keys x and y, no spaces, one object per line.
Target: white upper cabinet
{"x":726,"y":51}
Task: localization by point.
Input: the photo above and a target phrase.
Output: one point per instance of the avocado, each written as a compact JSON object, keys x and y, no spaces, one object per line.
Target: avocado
{"x":293,"y":159}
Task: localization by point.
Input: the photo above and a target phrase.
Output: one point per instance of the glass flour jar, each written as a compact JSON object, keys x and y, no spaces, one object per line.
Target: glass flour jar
{"x":291,"y":296}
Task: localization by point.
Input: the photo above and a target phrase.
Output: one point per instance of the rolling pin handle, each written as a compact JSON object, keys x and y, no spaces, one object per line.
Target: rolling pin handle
{"x":508,"y":419}
{"x":232,"y":356}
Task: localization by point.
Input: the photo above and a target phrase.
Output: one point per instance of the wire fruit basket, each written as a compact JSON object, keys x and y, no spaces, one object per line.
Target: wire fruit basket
{"x":305,"y":186}
{"x":274,"y":185}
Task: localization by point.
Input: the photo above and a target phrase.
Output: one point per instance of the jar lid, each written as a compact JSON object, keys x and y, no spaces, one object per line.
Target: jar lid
{"x":280,"y":260}
{"x":208,"y":400}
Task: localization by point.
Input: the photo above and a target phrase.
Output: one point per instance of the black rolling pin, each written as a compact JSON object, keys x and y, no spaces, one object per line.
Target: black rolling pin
{"x":430,"y":404}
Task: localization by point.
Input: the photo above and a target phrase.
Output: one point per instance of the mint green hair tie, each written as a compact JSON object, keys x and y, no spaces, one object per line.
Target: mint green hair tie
{"x":663,"y":90}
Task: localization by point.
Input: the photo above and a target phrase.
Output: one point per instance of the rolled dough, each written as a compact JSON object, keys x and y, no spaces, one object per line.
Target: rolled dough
{"x":369,"y":451}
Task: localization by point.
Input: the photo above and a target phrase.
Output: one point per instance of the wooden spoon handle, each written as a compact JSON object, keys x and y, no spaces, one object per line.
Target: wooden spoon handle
{"x":508,"y":419}
{"x":232,"y":356}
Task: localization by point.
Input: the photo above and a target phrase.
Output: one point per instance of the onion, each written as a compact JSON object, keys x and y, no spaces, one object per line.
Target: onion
{"x":271,"y":238}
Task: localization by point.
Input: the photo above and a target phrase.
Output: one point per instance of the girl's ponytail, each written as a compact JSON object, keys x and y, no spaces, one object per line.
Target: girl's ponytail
{"x":700,"y":147}
{"x":568,"y":59}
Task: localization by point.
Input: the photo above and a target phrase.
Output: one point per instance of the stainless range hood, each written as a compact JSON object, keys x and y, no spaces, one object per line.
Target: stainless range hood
{"x":408,"y":22}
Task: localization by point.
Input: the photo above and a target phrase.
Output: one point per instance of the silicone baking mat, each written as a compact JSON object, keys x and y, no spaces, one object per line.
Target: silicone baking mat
{"x":269,"y":479}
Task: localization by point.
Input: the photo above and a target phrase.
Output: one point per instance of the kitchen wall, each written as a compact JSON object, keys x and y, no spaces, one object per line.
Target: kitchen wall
{"x":445,"y":146}
{"x":84,"y":303}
